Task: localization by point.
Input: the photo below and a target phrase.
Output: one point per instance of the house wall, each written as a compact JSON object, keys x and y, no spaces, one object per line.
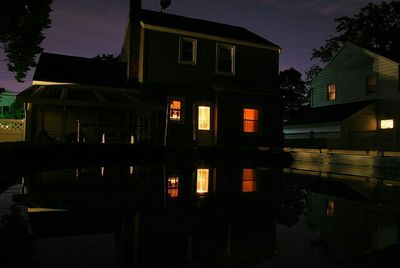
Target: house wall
{"x":255,"y":67}
{"x":349,"y":70}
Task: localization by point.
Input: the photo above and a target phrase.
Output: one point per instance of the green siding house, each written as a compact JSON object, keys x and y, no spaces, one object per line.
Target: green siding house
{"x":357,"y":91}
{"x":216,"y":83}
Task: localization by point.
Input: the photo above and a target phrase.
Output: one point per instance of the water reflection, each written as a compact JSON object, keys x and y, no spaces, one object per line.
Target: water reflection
{"x":206,"y":216}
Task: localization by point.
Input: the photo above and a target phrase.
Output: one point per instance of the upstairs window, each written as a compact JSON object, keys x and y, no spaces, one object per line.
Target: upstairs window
{"x":225,"y":59}
{"x":331,"y":92}
{"x":371,"y":85}
{"x":204,"y":118}
{"x":251,"y":120}
{"x":187,"y":51}
{"x":176,"y":110}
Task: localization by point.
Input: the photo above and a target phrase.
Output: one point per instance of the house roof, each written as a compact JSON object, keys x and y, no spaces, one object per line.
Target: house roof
{"x":70,"y":69}
{"x":88,"y":96}
{"x":202,"y":26}
{"x":327,"y":114}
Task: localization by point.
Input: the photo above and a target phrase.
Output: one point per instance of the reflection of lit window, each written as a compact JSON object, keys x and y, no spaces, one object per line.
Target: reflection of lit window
{"x":330,"y":208}
{"x":249,"y":183}
{"x":204,"y":118}
{"x":250,"y":120}
{"x":331,"y":92}
{"x":202,"y":181}
{"x":387,"y":123}
{"x":175,"y":110}
{"x":173,"y":187}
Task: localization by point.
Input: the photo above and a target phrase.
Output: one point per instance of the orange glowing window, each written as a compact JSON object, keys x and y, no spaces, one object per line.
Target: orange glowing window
{"x":202,"y":181}
{"x":330,"y":208}
{"x":250,"y":120}
{"x":204,"y":114}
{"x":331,"y":92}
{"x":173,"y":187}
{"x":175,"y":110}
{"x":249,"y":183}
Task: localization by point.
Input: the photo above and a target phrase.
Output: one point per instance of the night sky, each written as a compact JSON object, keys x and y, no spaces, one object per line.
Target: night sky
{"x":90,"y":27}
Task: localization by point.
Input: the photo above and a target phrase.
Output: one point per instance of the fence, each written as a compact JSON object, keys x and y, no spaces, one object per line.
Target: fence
{"x":379,"y":140}
{"x":12,"y":130}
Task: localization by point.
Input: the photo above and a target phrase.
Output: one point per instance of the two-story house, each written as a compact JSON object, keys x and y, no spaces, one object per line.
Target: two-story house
{"x":358,"y":90}
{"x":215,"y":82}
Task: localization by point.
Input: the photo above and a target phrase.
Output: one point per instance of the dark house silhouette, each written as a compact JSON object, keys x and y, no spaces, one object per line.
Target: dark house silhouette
{"x":178,"y":81}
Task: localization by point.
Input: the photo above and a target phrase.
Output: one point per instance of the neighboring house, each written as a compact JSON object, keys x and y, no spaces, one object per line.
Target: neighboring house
{"x":358,"y":90}
{"x":7,"y":98}
{"x":215,"y":82}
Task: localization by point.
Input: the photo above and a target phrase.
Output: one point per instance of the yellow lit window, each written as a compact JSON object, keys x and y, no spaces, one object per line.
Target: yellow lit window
{"x":250,"y":120}
{"x":202,"y":181}
{"x":204,"y":118}
{"x":331,"y":92}
{"x":249,"y":183}
{"x":175,"y":110}
{"x":173,"y":187}
{"x":330,"y":208}
{"x":387,"y":123}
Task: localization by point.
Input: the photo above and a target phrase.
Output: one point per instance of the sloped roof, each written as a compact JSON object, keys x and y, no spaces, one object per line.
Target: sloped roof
{"x":327,"y":114}
{"x":202,"y":26}
{"x":79,"y":70}
{"x":88,"y":96}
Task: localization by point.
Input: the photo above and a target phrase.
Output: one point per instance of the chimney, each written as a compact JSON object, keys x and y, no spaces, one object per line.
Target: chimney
{"x":134,"y":41}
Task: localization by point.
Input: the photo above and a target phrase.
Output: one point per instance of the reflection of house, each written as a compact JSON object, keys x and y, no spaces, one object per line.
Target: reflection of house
{"x":358,"y":90}
{"x":215,"y":81}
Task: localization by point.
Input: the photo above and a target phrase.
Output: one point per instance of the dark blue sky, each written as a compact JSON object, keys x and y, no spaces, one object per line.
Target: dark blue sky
{"x":90,"y":27}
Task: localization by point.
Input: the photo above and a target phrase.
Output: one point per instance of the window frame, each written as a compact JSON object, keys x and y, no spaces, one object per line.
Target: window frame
{"x":328,"y":92}
{"x":367,"y":92}
{"x":194,"y":51}
{"x":259,"y":130}
{"x":232,"y":49}
{"x":182,"y":110}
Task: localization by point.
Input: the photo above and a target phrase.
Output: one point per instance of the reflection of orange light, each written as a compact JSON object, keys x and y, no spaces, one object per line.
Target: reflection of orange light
{"x":202,"y":181}
{"x":249,"y":183}
{"x":330,"y":208}
{"x":250,"y":120}
{"x":173,"y":186}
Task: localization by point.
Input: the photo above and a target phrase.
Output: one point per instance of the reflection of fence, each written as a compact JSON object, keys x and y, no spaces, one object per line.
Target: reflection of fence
{"x":380,"y":140}
{"x":12,"y":130}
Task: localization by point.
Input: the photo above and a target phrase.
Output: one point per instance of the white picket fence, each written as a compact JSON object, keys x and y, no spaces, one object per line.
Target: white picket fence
{"x":12,"y":130}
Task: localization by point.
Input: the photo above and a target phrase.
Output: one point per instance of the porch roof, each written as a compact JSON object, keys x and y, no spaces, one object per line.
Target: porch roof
{"x":88,"y":96}
{"x":327,"y":114}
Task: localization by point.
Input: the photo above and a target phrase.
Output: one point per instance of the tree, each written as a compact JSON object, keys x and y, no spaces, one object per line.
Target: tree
{"x":106,"y":58}
{"x":22,"y":23}
{"x":375,"y":26}
{"x":293,"y":90}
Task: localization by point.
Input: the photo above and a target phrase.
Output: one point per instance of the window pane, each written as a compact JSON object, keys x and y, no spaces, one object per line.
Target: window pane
{"x":202,"y":181}
{"x":331,"y":92}
{"x":330,"y":208}
{"x":187,"y":50}
{"x":250,"y":126}
{"x":387,"y":123}
{"x":173,"y":187}
{"x":250,"y":114}
{"x":372,"y":84}
{"x":249,"y":183}
{"x":175,"y":110}
{"x":204,"y":118}
{"x":225,"y":60}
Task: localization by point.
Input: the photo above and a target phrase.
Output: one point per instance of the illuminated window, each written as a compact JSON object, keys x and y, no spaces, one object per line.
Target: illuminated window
{"x":371,"y":84}
{"x":250,"y":120}
{"x":331,"y":92}
{"x":387,"y":123}
{"x":249,"y":183}
{"x":173,"y":187}
{"x":225,"y":59}
{"x":187,"y":50}
{"x":175,"y":110}
{"x":204,"y":118}
{"x":330,"y":208}
{"x":202,"y":181}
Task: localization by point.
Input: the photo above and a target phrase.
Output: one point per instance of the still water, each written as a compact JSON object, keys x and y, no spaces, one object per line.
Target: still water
{"x":196,"y":215}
